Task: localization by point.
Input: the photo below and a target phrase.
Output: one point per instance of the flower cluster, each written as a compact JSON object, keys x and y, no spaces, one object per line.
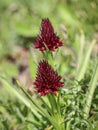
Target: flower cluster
{"x":47,"y":80}
{"x":47,"y":38}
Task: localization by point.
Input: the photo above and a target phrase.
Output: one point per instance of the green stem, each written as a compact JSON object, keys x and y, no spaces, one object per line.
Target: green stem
{"x":52,"y":102}
{"x":91,"y":91}
{"x":56,"y":111}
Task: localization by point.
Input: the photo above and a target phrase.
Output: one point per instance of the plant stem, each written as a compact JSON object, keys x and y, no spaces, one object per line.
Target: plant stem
{"x":56,"y":111}
{"x":91,"y":91}
{"x":53,"y":104}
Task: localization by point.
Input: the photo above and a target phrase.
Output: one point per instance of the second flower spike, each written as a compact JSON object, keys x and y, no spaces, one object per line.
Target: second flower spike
{"x":47,"y":80}
{"x":47,"y":37}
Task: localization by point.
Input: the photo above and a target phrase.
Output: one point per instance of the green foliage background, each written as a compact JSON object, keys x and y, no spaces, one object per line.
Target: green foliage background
{"x":75,"y":21}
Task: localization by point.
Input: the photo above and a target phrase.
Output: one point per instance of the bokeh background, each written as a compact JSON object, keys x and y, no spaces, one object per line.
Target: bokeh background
{"x":19,"y":26}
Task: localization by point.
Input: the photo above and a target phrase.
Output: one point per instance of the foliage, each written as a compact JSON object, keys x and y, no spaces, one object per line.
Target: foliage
{"x":77,"y":62}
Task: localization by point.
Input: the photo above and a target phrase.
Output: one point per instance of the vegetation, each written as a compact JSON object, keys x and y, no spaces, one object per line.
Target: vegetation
{"x":75,"y":107}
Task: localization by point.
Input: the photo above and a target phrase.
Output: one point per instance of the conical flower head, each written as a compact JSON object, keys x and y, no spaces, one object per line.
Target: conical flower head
{"x":47,"y":80}
{"x":47,"y":38}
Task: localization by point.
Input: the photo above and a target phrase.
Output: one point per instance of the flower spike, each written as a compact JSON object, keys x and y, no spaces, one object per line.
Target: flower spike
{"x":47,"y":38}
{"x":47,"y":80}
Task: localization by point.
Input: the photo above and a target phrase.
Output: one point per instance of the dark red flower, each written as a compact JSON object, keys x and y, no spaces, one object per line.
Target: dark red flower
{"x":47,"y":80}
{"x":47,"y":38}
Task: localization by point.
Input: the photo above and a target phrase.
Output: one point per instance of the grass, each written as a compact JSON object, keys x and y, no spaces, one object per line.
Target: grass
{"x":76,"y":23}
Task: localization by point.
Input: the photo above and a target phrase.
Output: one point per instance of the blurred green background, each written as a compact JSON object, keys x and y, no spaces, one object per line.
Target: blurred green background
{"x":19,"y":26}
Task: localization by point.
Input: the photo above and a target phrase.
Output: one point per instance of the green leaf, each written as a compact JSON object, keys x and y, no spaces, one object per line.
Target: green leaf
{"x":32,"y":65}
